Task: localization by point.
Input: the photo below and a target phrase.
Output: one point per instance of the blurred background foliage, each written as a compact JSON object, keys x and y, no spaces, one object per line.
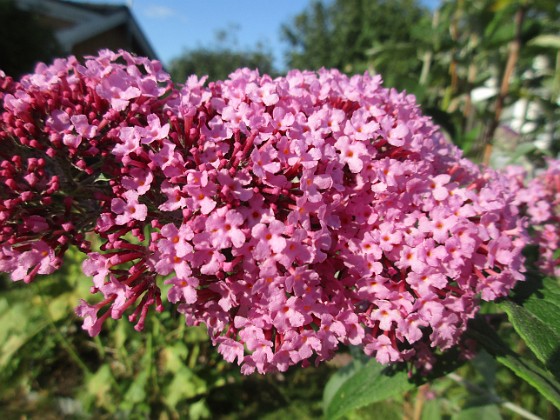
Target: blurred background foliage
{"x":220,"y":58}
{"x":487,"y":71}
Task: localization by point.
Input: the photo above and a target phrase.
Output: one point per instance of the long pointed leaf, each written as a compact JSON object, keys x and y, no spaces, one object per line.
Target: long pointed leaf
{"x":362,"y":384}
{"x":536,"y":318}
{"x":372,"y":383}
{"x":536,"y":376}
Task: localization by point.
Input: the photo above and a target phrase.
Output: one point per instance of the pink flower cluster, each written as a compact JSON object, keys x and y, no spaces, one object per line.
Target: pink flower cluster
{"x":288,"y":215}
{"x":539,"y":201}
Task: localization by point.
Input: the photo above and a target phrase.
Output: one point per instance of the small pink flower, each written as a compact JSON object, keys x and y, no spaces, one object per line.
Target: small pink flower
{"x":270,"y":239}
{"x":129,"y":208}
{"x":182,"y":290}
{"x":89,"y":314}
{"x":139,"y":180}
{"x":385,"y":314}
{"x":83,"y":127}
{"x":40,"y":259}
{"x":154,"y":130}
{"x":383,"y":349}
{"x":130,"y":142}
{"x":97,"y":266}
{"x":351,"y":153}
{"x":397,"y":136}
{"x":223,"y":226}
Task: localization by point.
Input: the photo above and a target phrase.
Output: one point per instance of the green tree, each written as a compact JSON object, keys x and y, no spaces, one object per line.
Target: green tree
{"x":340,"y":34}
{"x":24,"y":40}
{"x":221,"y":59}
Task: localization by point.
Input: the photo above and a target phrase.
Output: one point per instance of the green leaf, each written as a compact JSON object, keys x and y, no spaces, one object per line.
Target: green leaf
{"x":60,"y":306}
{"x":487,"y":367}
{"x":500,"y":30}
{"x":503,"y":14}
{"x":174,"y":357}
{"x":432,"y":410}
{"x":185,"y":385}
{"x":365,"y":385}
{"x":136,"y":392}
{"x":337,"y":380}
{"x":469,"y":139}
{"x":546,"y":41}
{"x":537,"y":320}
{"x":522,"y":150}
{"x":543,"y":340}
{"x":386,"y":410}
{"x":365,"y":382}
{"x":199,"y":410}
{"x":102,"y":178}
{"x":19,"y":323}
{"x":98,"y":387}
{"x":536,"y":376}
{"x":486,"y":412}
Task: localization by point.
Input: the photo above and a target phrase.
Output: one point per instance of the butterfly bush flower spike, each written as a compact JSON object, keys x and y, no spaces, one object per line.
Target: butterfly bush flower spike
{"x":290,"y":216}
{"x":539,"y":199}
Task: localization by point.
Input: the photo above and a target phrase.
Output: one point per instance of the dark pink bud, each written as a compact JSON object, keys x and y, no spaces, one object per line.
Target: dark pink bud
{"x":11,"y":184}
{"x":27,"y":195}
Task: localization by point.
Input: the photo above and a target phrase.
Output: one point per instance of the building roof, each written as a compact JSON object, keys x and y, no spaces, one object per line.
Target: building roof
{"x":76,"y":23}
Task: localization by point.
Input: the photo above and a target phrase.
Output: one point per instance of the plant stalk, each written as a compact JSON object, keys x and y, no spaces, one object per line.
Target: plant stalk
{"x":513,"y":57}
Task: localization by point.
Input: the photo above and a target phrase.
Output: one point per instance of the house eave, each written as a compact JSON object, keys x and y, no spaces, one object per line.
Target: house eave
{"x":87,"y":23}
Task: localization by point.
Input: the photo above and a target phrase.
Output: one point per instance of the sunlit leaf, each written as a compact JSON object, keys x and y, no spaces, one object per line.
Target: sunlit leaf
{"x":199,"y":410}
{"x":185,"y":384}
{"x":136,"y":392}
{"x":98,"y":386}
{"x":546,"y":41}
{"x":486,"y":412}
{"x":432,"y":410}
{"x":174,"y":357}
{"x":337,"y":380}
{"x":18,"y":325}
{"x":366,"y":385}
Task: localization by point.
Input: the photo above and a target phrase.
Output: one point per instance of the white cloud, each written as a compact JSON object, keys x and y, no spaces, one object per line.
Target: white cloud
{"x":159,"y":12}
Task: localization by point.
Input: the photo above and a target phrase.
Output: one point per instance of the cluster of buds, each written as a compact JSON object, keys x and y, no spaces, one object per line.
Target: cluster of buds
{"x":289,"y":215}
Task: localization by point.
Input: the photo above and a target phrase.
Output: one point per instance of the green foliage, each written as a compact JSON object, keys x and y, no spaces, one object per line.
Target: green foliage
{"x":537,"y":321}
{"x":530,"y":371}
{"x":360,"y":384}
{"x":24,"y":40}
{"x":221,"y":59}
{"x":340,"y":33}
{"x":364,"y":382}
{"x":482,"y":58}
{"x":482,"y":388}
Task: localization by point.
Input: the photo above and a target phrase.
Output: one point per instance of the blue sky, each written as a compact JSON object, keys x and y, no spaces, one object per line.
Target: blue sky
{"x":172,"y":26}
